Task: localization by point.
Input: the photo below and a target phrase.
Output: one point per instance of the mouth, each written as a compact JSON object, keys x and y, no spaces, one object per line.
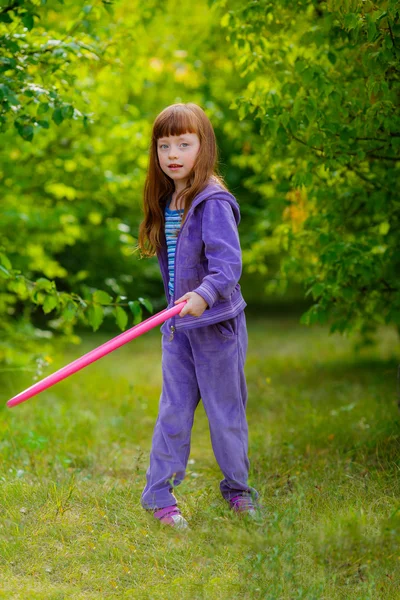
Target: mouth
{"x":174,"y":166}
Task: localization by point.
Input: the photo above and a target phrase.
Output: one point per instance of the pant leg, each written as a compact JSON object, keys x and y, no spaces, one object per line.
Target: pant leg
{"x":219,"y":353}
{"x":172,"y":432}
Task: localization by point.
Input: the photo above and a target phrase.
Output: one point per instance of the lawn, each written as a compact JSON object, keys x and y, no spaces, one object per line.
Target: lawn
{"x":324,"y":446}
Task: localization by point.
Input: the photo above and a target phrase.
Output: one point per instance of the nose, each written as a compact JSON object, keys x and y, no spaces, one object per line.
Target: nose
{"x":172,"y":153}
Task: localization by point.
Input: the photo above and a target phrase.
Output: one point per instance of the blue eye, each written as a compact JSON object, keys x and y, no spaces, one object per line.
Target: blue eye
{"x":186,"y":144}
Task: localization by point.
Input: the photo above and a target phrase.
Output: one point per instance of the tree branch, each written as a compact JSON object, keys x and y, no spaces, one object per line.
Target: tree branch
{"x":391,"y":34}
{"x":364,"y":178}
{"x":393,"y":158}
{"x":388,"y":287}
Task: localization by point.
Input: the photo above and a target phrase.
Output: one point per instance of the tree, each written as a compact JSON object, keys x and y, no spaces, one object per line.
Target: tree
{"x":39,"y":93}
{"x":324,"y":92}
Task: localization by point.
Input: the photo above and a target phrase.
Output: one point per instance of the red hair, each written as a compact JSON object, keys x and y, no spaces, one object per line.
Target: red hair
{"x":176,"y":119}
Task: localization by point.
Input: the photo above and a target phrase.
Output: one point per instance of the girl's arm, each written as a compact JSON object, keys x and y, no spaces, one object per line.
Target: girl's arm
{"x":222,"y":249}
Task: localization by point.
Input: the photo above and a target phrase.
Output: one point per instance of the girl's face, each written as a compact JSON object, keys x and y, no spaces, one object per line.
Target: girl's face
{"x":178,"y":150}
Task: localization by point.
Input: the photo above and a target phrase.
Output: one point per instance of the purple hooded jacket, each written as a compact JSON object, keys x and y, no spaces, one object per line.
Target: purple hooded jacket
{"x":208,"y":259}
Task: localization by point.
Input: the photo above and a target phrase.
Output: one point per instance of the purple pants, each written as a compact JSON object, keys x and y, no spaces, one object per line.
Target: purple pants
{"x":205,"y":362}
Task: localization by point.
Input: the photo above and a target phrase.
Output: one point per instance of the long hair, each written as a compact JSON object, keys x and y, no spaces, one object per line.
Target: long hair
{"x":176,"y":119}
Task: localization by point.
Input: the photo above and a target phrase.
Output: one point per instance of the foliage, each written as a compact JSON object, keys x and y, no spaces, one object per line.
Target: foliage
{"x":318,"y":88}
{"x":42,"y":95}
{"x":29,"y":54}
{"x":324,"y":92}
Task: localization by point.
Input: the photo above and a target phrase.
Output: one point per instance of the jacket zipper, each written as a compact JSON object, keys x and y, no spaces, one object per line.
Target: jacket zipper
{"x":172,"y":327}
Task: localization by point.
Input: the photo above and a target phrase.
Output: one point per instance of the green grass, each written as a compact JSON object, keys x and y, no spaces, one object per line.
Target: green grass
{"x":324,"y":455}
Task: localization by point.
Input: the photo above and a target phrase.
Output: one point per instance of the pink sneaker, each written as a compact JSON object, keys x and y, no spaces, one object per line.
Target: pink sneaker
{"x":245,"y":504}
{"x":171,"y":515}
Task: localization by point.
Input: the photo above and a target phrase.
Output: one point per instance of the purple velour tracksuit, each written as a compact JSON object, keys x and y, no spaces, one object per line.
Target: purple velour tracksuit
{"x":203,"y":357}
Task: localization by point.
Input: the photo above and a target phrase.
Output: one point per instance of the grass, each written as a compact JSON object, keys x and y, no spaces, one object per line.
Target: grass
{"x":324,"y":455}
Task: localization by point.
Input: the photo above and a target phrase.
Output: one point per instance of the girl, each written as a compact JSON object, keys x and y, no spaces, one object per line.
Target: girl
{"x":191,"y":224}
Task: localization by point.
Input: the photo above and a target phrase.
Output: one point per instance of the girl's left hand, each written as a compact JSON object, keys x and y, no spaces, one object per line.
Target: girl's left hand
{"x":194,"y":306}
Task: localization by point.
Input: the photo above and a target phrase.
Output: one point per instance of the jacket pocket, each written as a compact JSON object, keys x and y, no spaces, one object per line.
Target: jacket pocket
{"x":227,"y":328}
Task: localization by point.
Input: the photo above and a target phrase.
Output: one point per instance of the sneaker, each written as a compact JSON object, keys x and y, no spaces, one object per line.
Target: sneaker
{"x":171,"y":515}
{"x":244,"y":504}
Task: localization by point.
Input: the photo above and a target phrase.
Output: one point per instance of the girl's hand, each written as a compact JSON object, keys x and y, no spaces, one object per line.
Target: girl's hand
{"x":194,"y":306}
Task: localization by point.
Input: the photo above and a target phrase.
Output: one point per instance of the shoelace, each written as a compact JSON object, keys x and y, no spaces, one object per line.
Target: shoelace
{"x":242,"y":503}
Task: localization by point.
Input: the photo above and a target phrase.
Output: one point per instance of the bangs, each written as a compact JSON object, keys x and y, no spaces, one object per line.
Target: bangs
{"x":175,"y":121}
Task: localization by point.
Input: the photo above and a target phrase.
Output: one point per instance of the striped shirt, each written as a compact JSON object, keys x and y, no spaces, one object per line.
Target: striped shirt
{"x":172,"y":224}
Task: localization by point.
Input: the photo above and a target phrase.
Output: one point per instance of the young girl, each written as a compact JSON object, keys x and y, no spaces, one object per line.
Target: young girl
{"x":191,"y":224}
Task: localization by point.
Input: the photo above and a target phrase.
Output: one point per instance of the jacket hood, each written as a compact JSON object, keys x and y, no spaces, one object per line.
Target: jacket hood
{"x":211,"y":190}
{"x":215,"y":189}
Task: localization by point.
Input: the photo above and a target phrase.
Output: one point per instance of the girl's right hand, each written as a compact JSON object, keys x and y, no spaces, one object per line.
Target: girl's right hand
{"x":194,"y":306}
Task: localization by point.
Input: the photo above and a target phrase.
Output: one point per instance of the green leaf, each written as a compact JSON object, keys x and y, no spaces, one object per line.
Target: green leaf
{"x":43,"y":108}
{"x":382,"y":15}
{"x":311,"y":109}
{"x":136,"y":311}
{"x":305,"y":318}
{"x":332,"y":57}
{"x":38,"y":296}
{"x":19,"y":287}
{"x":347,"y":293}
{"x":95,"y":316}
{"x":316,"y":290}
{"x":102,"y":297}
{"x":371,"y":31}
{"x":4,"y":272}
{"x":121,"y":317}
{"x":313,"y":314}
{"x":28,"y":21}
{"x":242,"y":112}
{"x":26,"y":132}
{"x":384,"y":228}
{"x":57,"y":116}
{"x":300,"y":65}
{"x":7,"y":63}
{"x":147,"y":304}
{"x":307,"y":75}
{"x":108,"y":8}
{"x":5,"y":261}
{"x":5,"y":18}
{"x":351,"y":21}
{"x":50,"y":303}
{"x":67,"y":111}
{"x":225,"y":20}
{"x":8,"y":94}
{"x":44,"y":284}
{"x":69,"y":311}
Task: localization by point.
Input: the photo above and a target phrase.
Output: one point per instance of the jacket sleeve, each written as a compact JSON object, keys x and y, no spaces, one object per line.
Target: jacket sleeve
{"x":222,"y":249}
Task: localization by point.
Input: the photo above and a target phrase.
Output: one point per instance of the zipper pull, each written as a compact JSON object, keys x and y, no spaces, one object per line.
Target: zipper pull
{"x":171,"y":337}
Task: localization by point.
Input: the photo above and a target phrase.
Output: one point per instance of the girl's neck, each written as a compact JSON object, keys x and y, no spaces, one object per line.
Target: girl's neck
{"x":173,"y":201}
